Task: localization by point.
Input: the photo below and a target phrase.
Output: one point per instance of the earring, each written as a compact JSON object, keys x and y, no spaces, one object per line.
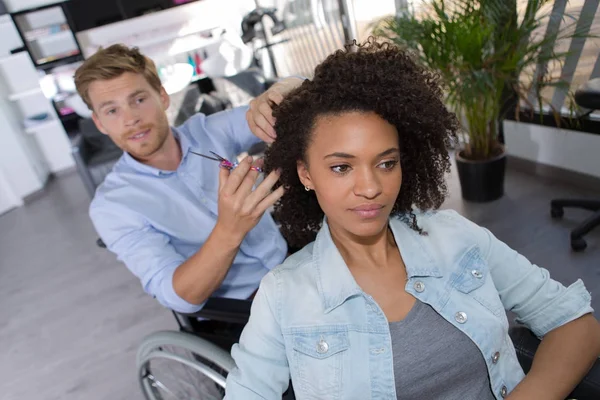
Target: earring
{"x":307,"y":188}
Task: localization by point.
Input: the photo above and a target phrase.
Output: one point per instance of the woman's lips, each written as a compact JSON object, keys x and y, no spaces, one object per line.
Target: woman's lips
{"x":368,"y":211}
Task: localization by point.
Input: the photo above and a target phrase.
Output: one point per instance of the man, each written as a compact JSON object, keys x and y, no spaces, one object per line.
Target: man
{"x":185,"y":227}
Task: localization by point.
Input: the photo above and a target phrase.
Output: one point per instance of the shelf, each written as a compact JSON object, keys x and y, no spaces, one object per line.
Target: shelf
{"x":55,"y":37}
{"x":27,"y":93}
{"x":196,"y":78}
{"x":165,"y":34}
{"x":45,"y":32}
{"x":12,"y":57}
{"x":58,"y":57}
{"x":42,"y":125}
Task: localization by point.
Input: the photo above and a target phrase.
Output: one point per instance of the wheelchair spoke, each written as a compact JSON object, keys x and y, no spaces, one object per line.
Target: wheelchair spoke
{"x":184,"y":375}
{"x":157,"y":384}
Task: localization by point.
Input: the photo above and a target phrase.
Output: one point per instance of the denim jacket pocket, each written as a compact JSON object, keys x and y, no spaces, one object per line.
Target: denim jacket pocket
{"x":472,"y":277}
{"x":472,"y":271}
{"x":318,"y":355}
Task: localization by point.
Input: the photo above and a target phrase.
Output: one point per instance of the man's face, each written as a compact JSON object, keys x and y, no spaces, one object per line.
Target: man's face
{"x":132,"y":113}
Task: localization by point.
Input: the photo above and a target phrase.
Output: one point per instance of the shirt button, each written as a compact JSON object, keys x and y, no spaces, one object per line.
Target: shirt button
{"x":322,"y":347}
{"x":503,"y":391}
{"x":477,"y":273}
{"x":419,"y":286}
{"x":495,"y":357}
{"x":461,"y":317}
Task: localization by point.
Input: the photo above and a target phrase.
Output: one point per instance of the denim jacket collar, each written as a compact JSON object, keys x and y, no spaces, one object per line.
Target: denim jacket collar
{"x":335,"y":281}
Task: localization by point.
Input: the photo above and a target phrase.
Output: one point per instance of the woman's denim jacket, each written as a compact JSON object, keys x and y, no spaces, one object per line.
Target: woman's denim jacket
{"x":311,"y":321}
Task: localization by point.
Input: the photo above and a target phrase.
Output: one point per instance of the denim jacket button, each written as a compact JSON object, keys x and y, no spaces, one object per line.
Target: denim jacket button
{"x":461,"y":317}
{"x":477,"y":273}
{"x":503,"y":391}
{"x":322,"y":347}
{"x":495,"y":357}
{"x":419,"y":286}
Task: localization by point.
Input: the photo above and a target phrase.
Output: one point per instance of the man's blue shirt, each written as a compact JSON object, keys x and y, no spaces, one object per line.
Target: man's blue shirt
{"x":154,"y":220}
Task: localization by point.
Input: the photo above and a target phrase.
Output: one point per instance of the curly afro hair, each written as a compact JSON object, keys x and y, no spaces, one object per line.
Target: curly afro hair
{"x":370,"y":77}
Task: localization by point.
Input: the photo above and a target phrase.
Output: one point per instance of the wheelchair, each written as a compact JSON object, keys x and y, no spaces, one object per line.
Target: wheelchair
{"x":202,"y":345}
{"x":198,"y":353}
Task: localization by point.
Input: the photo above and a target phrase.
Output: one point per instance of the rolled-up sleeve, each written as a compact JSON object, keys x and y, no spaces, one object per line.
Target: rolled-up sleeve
{"x":262,"y":371}
{"x":146,"y":252}
{"x":540,"y":303}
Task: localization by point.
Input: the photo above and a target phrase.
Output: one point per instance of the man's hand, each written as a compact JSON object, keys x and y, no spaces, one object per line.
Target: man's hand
{"x":240,"y":207}
{"x":260,"y":114}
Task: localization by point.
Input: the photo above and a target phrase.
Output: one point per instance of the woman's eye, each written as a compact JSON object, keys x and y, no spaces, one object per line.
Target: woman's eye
{"x":389,"y":164}
{"x":340,"y":169}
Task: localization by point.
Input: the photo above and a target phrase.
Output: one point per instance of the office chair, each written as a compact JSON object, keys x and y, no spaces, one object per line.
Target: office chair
{"x":587,"y":96}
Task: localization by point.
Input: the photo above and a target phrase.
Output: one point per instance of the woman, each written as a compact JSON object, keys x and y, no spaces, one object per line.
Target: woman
{"x":392,"y":299}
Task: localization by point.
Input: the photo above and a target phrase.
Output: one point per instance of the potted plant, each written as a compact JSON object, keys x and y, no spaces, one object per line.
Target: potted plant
{"x":481,"y":49}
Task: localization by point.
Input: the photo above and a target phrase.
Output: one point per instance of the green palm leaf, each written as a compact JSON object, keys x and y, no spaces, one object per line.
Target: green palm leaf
{"x":480,"y":48}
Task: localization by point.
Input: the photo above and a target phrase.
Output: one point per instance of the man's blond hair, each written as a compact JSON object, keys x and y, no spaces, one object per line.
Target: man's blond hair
{"x":110,"y":63}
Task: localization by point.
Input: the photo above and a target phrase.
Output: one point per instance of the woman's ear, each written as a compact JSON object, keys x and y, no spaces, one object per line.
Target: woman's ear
{"x":303,"y":174}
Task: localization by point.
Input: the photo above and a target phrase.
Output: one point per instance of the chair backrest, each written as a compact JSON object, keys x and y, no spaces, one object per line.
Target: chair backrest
{"x":93,"y":138}
{"x":588,"y":95}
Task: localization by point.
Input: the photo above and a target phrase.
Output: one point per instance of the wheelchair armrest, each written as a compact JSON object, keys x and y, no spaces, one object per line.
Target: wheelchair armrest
{"x":224,"y":310}
{"x":526,"y":344}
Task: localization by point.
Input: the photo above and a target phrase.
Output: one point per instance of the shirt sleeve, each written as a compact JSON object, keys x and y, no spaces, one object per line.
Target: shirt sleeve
{"x":146,"y":252}
{"x":262,"y":370}
{"x":540,"y":302}
{"x":234,"y":126}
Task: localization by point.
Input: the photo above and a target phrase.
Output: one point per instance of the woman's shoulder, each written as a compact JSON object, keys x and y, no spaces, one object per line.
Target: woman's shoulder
{"x":443,"y":229}
{"x":440,"y":219}
{"x":292,"y":279}
{"x":294,"y":264}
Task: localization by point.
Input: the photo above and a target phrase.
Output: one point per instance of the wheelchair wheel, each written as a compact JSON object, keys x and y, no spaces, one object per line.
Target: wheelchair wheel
{"x":177,"y":365}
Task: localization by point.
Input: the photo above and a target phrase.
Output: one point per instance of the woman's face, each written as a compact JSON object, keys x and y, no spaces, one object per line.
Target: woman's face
{"x":353,"y":165}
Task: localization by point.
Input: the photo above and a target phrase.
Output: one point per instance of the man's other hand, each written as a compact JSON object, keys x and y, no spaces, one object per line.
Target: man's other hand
{"x":260,"y":114}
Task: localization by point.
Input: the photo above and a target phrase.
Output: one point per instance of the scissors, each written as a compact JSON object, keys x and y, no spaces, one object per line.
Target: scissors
{"x":223,"y":162}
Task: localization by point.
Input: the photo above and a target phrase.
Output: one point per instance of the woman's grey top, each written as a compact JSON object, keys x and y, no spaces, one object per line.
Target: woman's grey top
{"x":434,"y":360}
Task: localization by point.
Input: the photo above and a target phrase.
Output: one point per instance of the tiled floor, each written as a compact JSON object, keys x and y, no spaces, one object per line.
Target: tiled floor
{"x":72,"y":317}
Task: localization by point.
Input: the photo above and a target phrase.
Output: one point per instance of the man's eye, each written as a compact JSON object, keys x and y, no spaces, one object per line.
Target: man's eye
{"x":340,"y":169}
{"x":111,"y":111}
{"x":140,"y":100}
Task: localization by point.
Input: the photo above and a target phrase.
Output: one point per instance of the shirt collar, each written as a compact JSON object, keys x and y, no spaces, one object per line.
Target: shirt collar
{"x":184,"y":143}
{"x":335,"y":281}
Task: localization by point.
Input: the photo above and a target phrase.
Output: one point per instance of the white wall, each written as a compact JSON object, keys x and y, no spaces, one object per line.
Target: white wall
{"x":571,"y":150}
{"x":27,"y":156}
{"x":10,"y":36}
{"x":8,"y":198}
{"x":16,"y":156}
